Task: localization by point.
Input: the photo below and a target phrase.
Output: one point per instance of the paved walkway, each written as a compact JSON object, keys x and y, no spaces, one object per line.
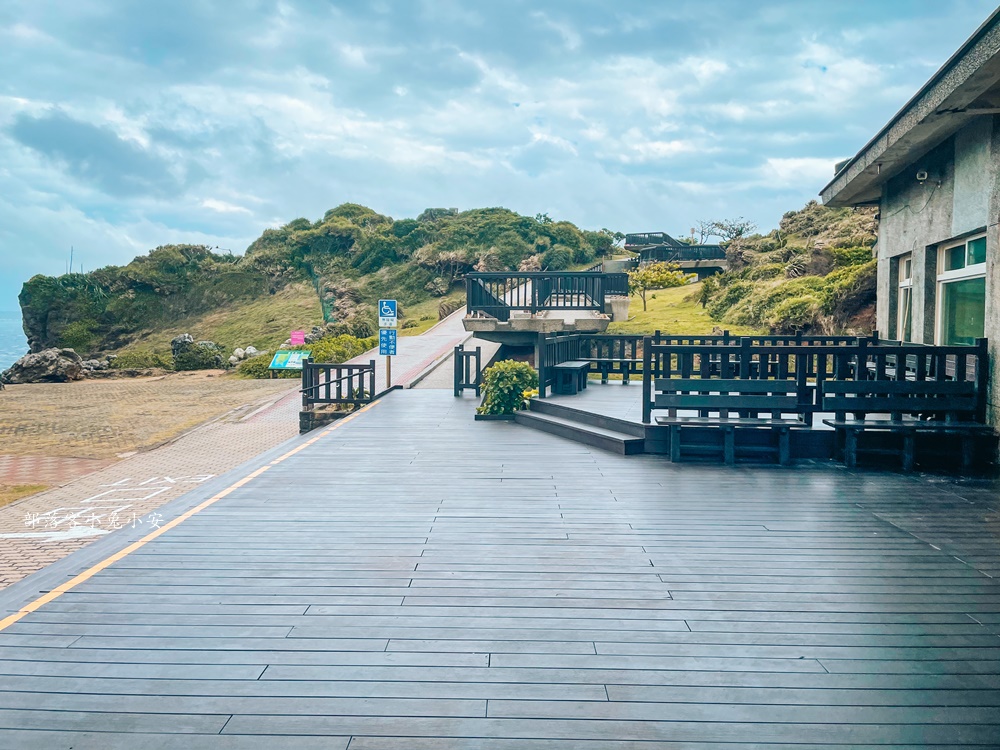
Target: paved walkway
{"x":413,"y":579}
{"x":41,"y":529}
{"x":418,"y":353}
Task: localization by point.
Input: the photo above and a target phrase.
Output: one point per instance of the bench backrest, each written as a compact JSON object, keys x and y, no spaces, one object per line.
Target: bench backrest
{"x":953,"y":399}
{"x":717,"y":395}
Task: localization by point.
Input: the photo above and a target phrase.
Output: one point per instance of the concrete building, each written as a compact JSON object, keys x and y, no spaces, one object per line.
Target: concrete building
{"x":934,"y":173}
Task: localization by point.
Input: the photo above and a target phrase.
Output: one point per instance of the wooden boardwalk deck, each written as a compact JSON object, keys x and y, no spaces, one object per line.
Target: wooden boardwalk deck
{"x":417,"y":580}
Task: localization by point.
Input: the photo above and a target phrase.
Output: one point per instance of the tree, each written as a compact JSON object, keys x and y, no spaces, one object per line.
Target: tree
{"x":726,"y":229}
{"x":655,"y":276}
{"x":705,"y":229}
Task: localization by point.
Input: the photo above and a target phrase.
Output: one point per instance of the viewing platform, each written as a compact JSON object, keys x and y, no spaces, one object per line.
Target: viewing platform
{"x":513,"y":308}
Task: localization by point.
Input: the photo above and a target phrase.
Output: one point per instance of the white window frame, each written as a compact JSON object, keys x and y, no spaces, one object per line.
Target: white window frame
{"x":904,"y":284}
{"x":975,"y":271}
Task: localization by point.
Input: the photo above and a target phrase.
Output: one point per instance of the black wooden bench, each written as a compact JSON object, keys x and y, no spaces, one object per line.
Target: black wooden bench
{"x":606,"y":365}
{"x":570,"y":377}
{"x":908,"y":407}
{"x":716,"y":400}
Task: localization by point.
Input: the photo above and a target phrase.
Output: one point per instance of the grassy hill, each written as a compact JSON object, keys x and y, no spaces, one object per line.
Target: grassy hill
{"x":302,"y":274}
{"x":815,"y":273}
{"x":676,"y":310}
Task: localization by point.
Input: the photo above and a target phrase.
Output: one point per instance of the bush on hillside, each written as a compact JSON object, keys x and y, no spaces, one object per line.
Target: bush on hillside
{"x":814,"y":273}
{"x":203,"y":355}
{"x":141,"y":359}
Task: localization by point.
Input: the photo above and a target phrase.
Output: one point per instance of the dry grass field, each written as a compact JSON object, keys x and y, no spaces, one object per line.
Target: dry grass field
{"x":108,"y":418}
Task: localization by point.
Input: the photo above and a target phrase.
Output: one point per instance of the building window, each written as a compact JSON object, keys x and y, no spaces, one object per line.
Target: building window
{"x":904,"y":301}
{"x":962,"y":292}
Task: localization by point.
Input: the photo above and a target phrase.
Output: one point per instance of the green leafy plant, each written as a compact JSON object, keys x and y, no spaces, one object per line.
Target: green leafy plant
{"x":336,"y":349}
{"x":504,"y":385}
{"x":142,"y":359}
{"x":203,"y":355}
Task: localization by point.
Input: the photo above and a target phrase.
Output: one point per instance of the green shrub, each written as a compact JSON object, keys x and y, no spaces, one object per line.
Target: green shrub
{"x":850,"y":256}
{"x":728,"y":296}
{"x":794,"y":314}
{"x":80,"y":336}
{"x":557,"y":258}
{"x":142,"y":359}
{"x":504,"y":385}
{"x":256,"y":367}
{"x":336,"y":349}
{"x":202,"y":355}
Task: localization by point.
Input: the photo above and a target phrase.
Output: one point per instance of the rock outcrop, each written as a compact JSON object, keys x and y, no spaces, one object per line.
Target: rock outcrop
{"x":46,"y":366}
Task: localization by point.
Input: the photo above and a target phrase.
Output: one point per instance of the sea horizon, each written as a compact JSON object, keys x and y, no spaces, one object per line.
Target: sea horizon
{"x":13,"y":342}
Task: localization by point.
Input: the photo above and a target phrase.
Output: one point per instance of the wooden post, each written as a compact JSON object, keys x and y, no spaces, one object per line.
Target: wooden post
{"x":479,"y":371}
{"x":982,"y":378}
{"x":459,"y":369}
{"x":540,"y":363}
{"x":306,"y":385}
{"x":647,"y":379}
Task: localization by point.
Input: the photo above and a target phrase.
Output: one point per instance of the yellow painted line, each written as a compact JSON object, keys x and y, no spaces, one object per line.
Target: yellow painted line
{"x":112,"y":559}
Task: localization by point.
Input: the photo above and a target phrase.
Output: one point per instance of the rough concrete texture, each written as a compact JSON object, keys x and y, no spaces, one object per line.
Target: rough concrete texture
{"x":918,"y":217}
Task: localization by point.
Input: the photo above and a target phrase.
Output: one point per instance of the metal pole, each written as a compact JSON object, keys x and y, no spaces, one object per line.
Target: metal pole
{"x":388,"y":372}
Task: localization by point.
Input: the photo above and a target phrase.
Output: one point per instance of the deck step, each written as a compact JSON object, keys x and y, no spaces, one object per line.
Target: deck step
{"x":605,"y":422}
{"x":599,"y":437}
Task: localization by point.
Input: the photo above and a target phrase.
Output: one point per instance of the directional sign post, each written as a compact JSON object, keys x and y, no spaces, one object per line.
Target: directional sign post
{"x":387,"y":318}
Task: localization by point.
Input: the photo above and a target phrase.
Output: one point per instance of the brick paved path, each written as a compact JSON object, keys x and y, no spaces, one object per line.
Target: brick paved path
{"x":47,"y":469}
{"x":46,"y":527}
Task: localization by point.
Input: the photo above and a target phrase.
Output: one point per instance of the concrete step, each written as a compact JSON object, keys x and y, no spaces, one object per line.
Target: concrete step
{"x":544,"y":406}
{"x":599,"y":437}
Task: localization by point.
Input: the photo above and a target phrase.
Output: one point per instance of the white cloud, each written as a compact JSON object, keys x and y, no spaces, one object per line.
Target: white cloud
{"x":675,"y":113}
{"x":223,"y":207}
{"x":796,"y":172}
{"x":570,"y":37}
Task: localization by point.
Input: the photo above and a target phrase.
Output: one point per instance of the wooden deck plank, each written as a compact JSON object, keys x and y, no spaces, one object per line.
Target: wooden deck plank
{"x":480,"y":585}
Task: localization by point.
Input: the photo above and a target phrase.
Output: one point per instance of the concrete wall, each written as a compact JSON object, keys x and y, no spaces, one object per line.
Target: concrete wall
{"x":993,"y":275}
{"x":960,"y":196}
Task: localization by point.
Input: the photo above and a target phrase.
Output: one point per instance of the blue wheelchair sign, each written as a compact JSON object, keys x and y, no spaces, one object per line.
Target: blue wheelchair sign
{"x":387,"y":342}
{"x":387,"y":310}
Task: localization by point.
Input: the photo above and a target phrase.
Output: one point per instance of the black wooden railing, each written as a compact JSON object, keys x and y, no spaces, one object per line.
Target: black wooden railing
{"x":497,"y":294}
{"x":678,"y":254}
{"x":622,"y":354}
{"x":468,"y":370}
{"x":812,"y":360}
{"x":352,"y":385}
{"x":649,"y":238}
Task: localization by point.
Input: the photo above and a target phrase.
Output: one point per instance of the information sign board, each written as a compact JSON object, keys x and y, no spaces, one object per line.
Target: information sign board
{"x":289,"y":360}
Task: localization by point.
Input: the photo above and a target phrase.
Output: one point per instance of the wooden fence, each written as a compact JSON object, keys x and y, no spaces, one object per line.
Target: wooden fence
{"x":810,"y":361}
{"x":352,"y":385}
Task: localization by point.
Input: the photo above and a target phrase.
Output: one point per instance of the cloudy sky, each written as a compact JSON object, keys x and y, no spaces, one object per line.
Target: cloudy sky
{"x":127,"y":124}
